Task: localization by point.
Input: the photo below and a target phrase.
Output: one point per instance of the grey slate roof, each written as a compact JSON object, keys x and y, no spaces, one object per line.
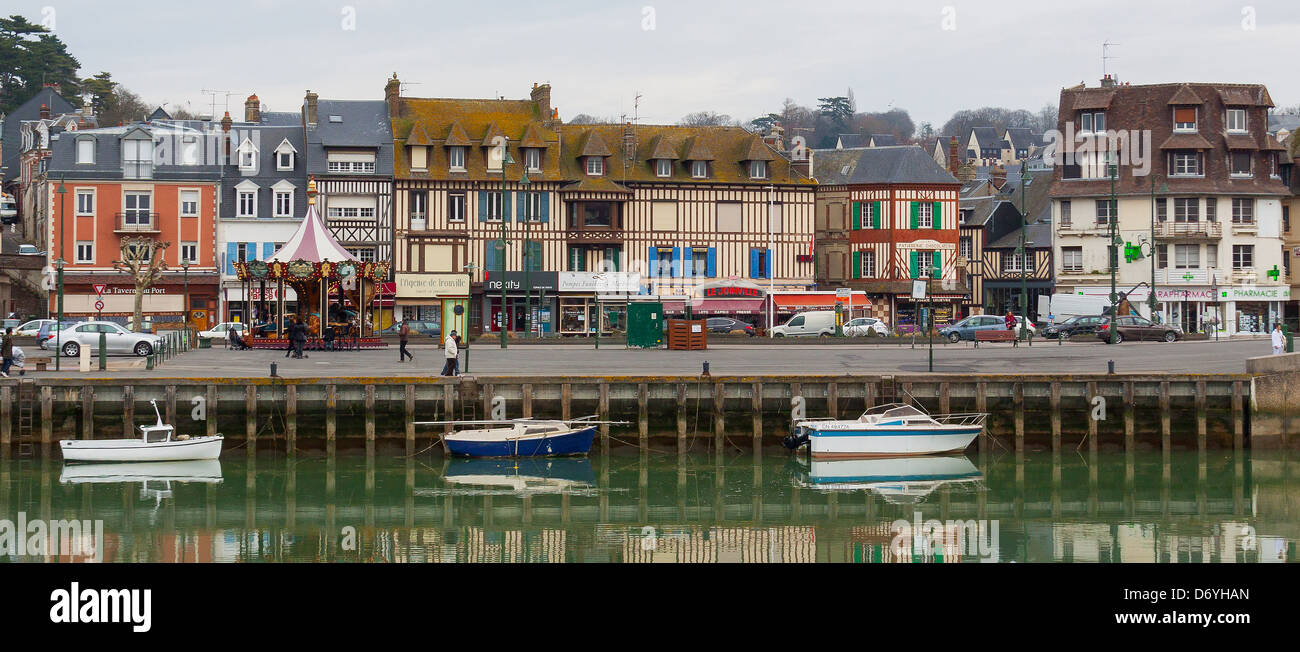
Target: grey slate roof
{"x":1022,"y":138}
{"x":1279,"y":122}
{"x":1037,"y":236}
{"x":12,"y":138}
{"x":282,"y":119}
{"x":166,"y":136}
{"x":883,"y":140}
{"x":847,"y":141}
{"x":267,"y":138}
{"x":363,"y":124}
{"x":878,"y":165}
{"x":987,"y":136}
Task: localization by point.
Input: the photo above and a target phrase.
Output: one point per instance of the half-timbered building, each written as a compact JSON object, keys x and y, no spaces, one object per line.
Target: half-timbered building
{"x":590,"y":211}
{"x":887,"y":216}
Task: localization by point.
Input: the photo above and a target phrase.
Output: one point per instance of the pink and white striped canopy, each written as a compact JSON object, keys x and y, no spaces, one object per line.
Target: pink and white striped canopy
{"x":312,"y":242}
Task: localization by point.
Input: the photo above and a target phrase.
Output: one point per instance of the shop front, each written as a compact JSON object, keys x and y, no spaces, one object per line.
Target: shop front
{"x":733,"y":297}
{"x":1250,"y":309}
{"x":911,"y":315}
{"x":1001,"y":297}
{"x":437,"y":297}
{"x":259,"y":300}
{"x":1193,"y":309}
{"x":787,"y":304}
{"x":172,"y":303}
{"x":594,"y":300}
{"x":535,"y":294}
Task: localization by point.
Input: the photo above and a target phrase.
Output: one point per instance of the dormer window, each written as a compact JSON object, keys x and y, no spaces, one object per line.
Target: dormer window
{"x":85,"y":151}
{"x":419,"y":157}
{"x":758,"y":169}
{"x":494,"y":156}
{"x":1092,"y":122}
{"x":700,"y":169}
{"x":284,"y":155}
{"x":1236,"y":120}
{"x":247,"y":154}
{"x":664,"y":167}
{"x":456,"y":158}
{"x":533,"y":159}
{"x":595,"y":166}
{"x":1185,"y":118}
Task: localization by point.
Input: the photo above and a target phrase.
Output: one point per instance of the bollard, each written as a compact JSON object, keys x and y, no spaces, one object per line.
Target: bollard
{"x":1110,"y":366}
{"x":1290,"y":339}
{"x":148,"y":362}
{"x":85,"y":359}
{"x":103,"y":351}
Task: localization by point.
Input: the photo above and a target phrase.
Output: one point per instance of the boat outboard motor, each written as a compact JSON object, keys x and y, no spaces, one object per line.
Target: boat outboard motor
{"x":795,"y":439}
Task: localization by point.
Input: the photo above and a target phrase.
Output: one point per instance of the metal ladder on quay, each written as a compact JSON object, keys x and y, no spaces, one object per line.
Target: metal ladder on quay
{"x":26,"y":410}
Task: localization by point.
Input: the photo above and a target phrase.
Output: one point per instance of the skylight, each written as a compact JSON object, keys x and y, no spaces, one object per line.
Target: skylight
{"x":336,"y":118}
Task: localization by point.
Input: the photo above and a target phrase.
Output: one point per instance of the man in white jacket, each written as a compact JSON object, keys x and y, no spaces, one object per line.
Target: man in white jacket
{"x":451,"y":351}
{"x":1279,"y":340}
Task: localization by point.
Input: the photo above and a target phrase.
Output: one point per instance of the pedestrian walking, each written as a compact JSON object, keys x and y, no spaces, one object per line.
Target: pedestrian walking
{"x":7,"y":351}
{"x":299,"y":340}
{"x":402,"y":335}
{"x":451,"y":350}
{"x":1279,"y":340}
{"x":288,"y":336}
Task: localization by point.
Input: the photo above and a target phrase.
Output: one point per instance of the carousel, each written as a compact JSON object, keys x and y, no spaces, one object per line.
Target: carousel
{"x":330,"y":284}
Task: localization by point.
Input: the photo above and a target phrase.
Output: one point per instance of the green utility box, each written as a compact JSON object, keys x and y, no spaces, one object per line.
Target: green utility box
{"x":645,"y":325}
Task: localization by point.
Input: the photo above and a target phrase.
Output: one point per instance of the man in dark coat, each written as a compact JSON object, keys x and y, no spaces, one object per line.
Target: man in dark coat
{"x":7,"y":351}
{"x":299,"y":339}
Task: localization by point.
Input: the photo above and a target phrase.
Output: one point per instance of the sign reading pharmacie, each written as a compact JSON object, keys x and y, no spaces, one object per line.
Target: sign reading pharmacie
{"x":1255,"y":293}
{"x":430,"y":285}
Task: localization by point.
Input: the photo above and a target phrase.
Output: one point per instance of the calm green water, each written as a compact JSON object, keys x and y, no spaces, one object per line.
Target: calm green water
{"x":625,"y":506}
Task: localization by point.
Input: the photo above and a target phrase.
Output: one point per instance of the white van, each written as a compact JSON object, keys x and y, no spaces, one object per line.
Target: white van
{"x":807,"y":324}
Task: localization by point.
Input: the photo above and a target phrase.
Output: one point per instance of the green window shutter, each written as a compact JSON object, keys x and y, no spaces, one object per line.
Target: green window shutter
{"x":914,"y":259}
{"x":857,"y":215}
{"x":937,"y":261}
{"x":875,"y":214}
{"x":916,"y":214}
{"x":938,"y":215}
{"x":857,"y":264}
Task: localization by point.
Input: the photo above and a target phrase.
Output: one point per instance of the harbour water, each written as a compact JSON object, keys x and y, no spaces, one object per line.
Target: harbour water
{"x":626,"y":505}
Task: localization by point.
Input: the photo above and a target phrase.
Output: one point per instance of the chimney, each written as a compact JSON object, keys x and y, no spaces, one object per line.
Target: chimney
{"x":45,"y":112}
{"x":542,"y":96}
{"x":309,"y":108}
{"x":1108,"y":81}
{"x":802,"y":161}
{"x":252,"y":109}
{"x":225,"y":130}
{"x":998,"y":177}
{"x":392,"y":96}
{"x":774,"y":137}
{"x":952,"y":155}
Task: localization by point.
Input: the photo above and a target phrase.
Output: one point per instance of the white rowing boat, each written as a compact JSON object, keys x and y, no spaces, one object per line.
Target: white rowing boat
{"x":157,"y":443}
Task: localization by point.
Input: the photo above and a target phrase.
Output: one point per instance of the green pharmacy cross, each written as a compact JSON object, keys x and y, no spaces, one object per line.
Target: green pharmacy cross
{"x":1188,"y":276}
{"x":1132,"y":252}
{"x":1273,"y":273}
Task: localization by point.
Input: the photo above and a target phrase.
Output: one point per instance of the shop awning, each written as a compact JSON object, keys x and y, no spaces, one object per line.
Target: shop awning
{"x":821,"y":300}
{"x":726,"y":306}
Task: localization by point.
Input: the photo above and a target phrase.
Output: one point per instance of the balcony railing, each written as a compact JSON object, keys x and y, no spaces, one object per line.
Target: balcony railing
{"x":137,"y":222}
{"x":1209,"y":230}
{"x":418,"y":222}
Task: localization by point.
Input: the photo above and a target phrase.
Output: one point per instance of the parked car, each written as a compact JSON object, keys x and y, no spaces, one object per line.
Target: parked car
{"x":1074,"y":326}
{"x":814,"y":323}
{"x":47,"y":329}
{"x":222,"y":331}
{"x":8,"y":209}
{"x":864,"y":326}
{"x":729,"y":325}
{"x":31,"y":328}
{"x":117,"y":339}
{"x":29,"y":250}
{"x":965,"y":329}
{"x":430,"y":328}
{"x":1133,"y":327}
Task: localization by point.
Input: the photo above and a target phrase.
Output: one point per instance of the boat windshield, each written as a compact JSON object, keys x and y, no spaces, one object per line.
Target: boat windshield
{"x":902,"y":411}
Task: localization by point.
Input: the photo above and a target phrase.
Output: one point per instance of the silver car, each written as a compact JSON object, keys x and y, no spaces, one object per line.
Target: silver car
{"x":116,"y":339}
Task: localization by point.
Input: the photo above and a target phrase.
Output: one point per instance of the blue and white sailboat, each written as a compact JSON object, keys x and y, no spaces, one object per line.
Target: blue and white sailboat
{"x":890,"y":430}
{"x":520,"y":437}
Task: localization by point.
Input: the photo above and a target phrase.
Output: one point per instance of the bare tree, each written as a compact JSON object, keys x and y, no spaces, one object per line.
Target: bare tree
{"x":585,"y":119}
{"x":706,"y":119}
{"x":142,"y":259}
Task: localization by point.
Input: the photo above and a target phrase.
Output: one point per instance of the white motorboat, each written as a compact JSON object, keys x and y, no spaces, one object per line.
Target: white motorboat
{"x":890,"y":430}
{"x":157,"y":443}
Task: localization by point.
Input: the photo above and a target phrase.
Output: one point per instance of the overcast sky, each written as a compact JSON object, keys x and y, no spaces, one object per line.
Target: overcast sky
{"x":738,"y":58}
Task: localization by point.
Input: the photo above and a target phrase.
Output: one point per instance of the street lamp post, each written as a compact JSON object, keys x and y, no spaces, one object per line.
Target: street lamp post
{"x":505,"y":160}
{"x":528,"y":286}
{"x":185,"y":266}
{"x":1113,"y":212}
{"x":58,"y":266}
{"x":1024,"y":259}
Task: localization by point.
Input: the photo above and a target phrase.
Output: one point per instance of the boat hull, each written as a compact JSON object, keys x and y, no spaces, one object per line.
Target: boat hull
{"x":134,"y":450}
{"x":576,"y":442}
{"x":887,"y":442}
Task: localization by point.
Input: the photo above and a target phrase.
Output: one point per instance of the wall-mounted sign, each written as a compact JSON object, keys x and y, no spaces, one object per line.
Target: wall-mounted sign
{"x":732,"y":292}
{"x":547,"y":281}
{"x":611,"y":282}
{"x":431,"y":286}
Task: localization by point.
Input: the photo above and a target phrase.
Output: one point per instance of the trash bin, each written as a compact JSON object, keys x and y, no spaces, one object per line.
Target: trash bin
{"x":205,"y":342}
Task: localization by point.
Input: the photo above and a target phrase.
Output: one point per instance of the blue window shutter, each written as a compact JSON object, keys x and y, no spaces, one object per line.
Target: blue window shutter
{"x":677,"y":262}
{"x":232,"y":255}
{"x":711,"y":267}
{"x":505,"y":205}
{"x":482,"y":205}
{"x":652,"y":261}
{"x":770,"y":264}
{"x":268,"y":250}
{"x":519,"y":208}
{"x":546,"y":207}
{"x":753,"y":263}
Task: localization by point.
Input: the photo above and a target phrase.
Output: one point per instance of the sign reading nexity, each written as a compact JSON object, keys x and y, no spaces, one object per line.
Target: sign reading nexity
{"x":429,"y":286}
{"x":515,"y":281}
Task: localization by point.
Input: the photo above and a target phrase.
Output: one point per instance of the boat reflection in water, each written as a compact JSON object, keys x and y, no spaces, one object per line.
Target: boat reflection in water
{"x":155,"y":478}
{"x":898,"y":480}
{"x":515,"y":477}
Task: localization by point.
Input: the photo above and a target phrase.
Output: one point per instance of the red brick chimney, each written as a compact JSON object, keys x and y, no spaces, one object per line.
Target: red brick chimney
{"x":392,"y":96}
{"x":45,"y":112}
{"x":952,"y":155}
{"x":225,"y":130}
{"x":252,"y":109}
{"x":998,"y":177}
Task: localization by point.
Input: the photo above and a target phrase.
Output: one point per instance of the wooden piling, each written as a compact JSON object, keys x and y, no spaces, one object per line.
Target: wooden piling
{"x":6,"y":421}
{"x":1130,"y":415}
{"x":869,"y":395}
{"x":945,"y":398}
{"x":796,"y":390}
{"x":833,"y":399}
{"x":250,"y":414}
{"x":488,"y":392}
{"x":291,"y":418}
{"x":1166,"y":429}
{"x":681,"y":417}
{"x":331,"y":413}
{"x":526,"y":398}
{"x":128,"y":410}
{"x":719,"y":420}
{"x":1055,"y":406}
{"x":408,"y":409}
{"x":1201,"y":417}
{"x":369,"y":407}
{"x":1238,"y":418}
{"x":448,"y":405}
{"x":88,"y":412}
{"x":756,"y":410}
{"x":982,"y":406}
{"x":169,"y":408}
{"x":643,"y":413}
{"x":1018,"y":400}
{"x":1093,"y":444}
{"x":566,"y":401}
{"x":603,"y":409}
{"x":210,"y":410}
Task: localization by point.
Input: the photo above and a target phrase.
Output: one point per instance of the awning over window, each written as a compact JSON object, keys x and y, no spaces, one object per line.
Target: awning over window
{"x":726,"y":306}
{"x":819,"y":300}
